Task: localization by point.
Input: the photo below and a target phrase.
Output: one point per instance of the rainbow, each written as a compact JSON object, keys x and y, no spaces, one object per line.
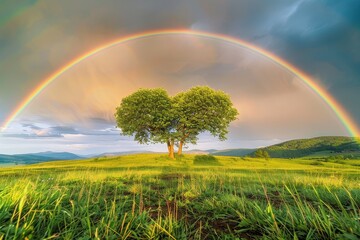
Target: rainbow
{"x":340,"y":112}
{"x":13,"y":11}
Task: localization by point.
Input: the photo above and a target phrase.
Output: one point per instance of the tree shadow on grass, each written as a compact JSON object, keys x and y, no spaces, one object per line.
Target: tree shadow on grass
{"x":206,"y":160}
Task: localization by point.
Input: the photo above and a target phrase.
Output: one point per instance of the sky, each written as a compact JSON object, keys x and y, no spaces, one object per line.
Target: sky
{"x":75,"y":112}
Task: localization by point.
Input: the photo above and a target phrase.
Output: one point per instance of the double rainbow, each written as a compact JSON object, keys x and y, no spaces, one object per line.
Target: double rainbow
{"x":326,"y":97}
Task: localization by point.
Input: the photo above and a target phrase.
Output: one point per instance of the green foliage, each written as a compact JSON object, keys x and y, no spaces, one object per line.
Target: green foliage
{"x":233,"y":152}
{"x":308,"y":147}
{"x":203,"y":109}
{"x":261,"y":153}
{"x":152,"y":116}
{"x":146,"y":114}
{"x":207,"y":160}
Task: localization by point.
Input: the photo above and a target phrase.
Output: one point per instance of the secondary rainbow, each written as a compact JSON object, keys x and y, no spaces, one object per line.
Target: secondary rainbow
{"x":326,"y":97}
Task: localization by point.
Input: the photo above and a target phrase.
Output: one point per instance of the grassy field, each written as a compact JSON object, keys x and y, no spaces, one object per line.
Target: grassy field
{"x":148,"y":196}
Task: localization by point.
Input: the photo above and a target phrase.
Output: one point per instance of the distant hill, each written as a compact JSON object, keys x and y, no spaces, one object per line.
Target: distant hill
{"x":319,"y":147}
{"x":233,"y":152}
{"x":31,"y":158}
{"x":199,"y":151}
{"x":55,"y":155}
{"x":315,"y":147}
{"x":226,"y":152}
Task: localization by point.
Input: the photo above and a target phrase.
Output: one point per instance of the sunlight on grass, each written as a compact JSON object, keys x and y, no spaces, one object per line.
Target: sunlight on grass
{"x":148,"y":196}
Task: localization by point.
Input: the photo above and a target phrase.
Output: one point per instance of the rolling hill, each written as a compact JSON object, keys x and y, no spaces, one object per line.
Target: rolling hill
{"x":31,"y":158}
{"x":239,"y":152}
{"x":347,"y":147}
{"x":319,"y":147}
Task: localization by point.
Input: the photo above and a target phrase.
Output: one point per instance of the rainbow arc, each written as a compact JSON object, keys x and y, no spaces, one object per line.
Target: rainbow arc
{"x":340,"y":112}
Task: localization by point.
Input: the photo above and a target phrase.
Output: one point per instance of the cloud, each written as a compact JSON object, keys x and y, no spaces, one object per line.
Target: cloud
{"x":33,"y":131}
{"x":31,"y":126}
{"x":63,"y":130}
{"x":40,"y":134}
{"x":319,"y":37}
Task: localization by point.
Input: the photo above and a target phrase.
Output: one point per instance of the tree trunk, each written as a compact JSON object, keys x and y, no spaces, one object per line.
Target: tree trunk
{"x":170,"y":145}
{"x":171,"y":153}
{"x":180,"y":148}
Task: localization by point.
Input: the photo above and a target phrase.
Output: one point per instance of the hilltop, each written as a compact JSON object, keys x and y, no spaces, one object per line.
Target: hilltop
{"x":31,"y":158}
{"x":346,"y":147}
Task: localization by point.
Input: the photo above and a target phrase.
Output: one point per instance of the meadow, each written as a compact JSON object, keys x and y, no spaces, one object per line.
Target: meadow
{"x":149,"y":196}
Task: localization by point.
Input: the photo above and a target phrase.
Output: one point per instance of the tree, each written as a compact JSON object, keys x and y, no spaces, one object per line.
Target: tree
{"x":261,"y":153}
{"x":147,"y":115}
{"x":151,"y":116}
{"x":266,"y":155}
{"x":202,"y":109}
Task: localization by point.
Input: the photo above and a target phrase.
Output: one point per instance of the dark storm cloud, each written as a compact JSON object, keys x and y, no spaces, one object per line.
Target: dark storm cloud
{"x":321,"y":37}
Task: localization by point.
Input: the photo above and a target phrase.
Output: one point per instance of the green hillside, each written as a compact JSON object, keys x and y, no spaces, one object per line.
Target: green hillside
{"x":153,"y":162}
{"x":344,"y":147}
{"x":32,"y":158}
{"x":233,"y":152}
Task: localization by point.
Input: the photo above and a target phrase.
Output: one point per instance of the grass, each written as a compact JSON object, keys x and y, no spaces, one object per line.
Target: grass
{"x":148,"y":196}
